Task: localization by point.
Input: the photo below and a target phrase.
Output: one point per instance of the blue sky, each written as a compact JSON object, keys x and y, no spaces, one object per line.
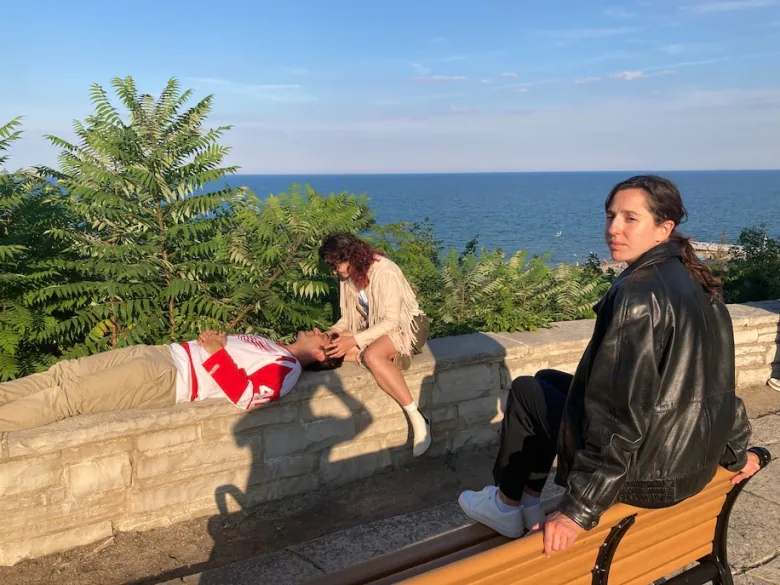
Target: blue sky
{"x":420,"y":86}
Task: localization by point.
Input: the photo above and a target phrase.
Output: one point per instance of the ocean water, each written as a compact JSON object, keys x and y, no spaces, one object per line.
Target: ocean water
{"x":560,"y":213}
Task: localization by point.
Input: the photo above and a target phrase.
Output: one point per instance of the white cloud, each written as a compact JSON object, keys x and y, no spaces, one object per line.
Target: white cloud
{"x":420,"y":69}
{"x":275,"y":92}
{"x":463,"y":109}
{"x":578,"y":34}
{"x":440,"y":78}
{"x":508,"y":74}
{"x":521,"y":90}
{"x":484,"y":81}
{"x":629,"y":75}
{"x":617,"y":12}
{"x":727,"y":6}
{"x":673,"y":49}
{"x":586,"y":80}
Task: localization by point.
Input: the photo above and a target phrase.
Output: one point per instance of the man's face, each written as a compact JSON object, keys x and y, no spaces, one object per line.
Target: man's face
{"x":314,"y":340}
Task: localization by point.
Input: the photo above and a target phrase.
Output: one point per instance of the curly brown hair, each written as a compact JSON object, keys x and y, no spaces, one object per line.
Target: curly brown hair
{"x":341,"y":247}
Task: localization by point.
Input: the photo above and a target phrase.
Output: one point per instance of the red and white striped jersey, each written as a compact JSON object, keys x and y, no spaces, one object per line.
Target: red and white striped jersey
{"x":250,"y":371}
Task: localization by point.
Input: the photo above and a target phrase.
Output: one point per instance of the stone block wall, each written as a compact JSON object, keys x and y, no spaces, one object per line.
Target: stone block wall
{"x":81,"y":480}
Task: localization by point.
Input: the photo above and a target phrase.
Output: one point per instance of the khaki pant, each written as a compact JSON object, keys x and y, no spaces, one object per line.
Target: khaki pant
{"x":132,"y":378}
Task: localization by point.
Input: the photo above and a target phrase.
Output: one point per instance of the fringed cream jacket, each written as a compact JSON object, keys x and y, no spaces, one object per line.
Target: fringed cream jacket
{"x":392,"y":307}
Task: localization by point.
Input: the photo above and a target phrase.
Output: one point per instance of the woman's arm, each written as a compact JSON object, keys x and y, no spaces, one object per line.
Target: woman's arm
{"x":390,"y":296}
{"x":619,"y":399}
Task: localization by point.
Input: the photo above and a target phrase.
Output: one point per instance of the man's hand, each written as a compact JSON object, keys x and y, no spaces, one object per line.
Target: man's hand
{"x":341,"y":345}
{"x":560,"y":532}
{"x":212,"y":341}
{"x":753,"y":464}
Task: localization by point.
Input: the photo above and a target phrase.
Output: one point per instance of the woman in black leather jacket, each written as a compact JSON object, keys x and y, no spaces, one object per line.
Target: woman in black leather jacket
{"x":650,"y":412}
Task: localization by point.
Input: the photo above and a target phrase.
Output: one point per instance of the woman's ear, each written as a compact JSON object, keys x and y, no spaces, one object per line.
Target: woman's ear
{"x":666,"y":228}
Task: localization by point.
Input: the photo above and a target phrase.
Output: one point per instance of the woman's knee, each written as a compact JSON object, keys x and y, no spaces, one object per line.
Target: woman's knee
{"x":372,"y":358}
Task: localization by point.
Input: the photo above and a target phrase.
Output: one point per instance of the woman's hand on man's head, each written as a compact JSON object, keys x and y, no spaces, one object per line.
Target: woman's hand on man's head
{"x":340,"y":345}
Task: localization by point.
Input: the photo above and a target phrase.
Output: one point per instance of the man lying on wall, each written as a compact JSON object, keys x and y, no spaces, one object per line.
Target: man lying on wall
{"x":247,"y":370}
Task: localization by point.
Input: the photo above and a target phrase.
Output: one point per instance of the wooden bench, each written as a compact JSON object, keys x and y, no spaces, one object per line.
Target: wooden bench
{"x":630,"y":546}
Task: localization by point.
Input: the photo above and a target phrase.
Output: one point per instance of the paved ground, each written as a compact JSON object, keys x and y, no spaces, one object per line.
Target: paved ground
{"x":754,"y":532}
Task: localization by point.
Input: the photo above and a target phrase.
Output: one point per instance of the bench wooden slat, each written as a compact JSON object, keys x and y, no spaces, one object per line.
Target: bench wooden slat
{"x":669,"y":567}
{"x":682,"y":544}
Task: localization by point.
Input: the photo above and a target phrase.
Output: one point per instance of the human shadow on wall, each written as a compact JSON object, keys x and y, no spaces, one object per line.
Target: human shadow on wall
{"x":460,"y":382}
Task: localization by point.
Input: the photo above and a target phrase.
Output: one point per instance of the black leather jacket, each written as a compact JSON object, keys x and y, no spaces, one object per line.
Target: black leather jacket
{"x":652,"y":410}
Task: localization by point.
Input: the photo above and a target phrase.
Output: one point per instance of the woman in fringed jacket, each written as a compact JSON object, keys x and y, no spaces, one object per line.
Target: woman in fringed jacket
{"x":381,"y":325}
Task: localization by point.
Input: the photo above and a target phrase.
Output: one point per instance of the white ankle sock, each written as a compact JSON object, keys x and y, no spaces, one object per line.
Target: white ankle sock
{"x":418,"y":422}
{"x":419,"y":427}
{"x":527,"y":500}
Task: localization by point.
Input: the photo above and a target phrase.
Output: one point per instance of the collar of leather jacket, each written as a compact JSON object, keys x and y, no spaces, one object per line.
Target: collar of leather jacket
{"x":654,"y":255}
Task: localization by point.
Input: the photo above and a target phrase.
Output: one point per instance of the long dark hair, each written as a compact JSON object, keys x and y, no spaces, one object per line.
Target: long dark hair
{"x":341,"y":247}
{"x":665,"y":203}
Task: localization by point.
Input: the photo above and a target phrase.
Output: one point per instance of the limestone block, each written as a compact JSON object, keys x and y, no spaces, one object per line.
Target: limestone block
{"x":29,"y":474}
{"x":481,"y":411}
{"x":99,"y":475}
{"x":37,"y":546}
{"x":309,"y":437}
{"x":192,"y":457}
{"x":525,"y":367}
{"x":104,"y":427}
{"x":748,"y":348}
{"x":394,"y":423}
{"x":63,"y":515}
{"x":96,"y":450}
{"x":772,"y":355}
{"x":325,"y":407}
{"x":750,"y":359}
{"x":192,"y":489}
{"x":747,"y":335}
{"x":377,"y":403}
{"x":324,"y":433}
{"x":279,"y":413}
{"x":169,"y":438}
{"x":289,"y":466}
{"x":443,"y":419}
{"x":169,"y":515}
{"x":747,"y":377}
{"x":348,"y":462}
{"x":454,"y":386}
{"x":284,"y":441}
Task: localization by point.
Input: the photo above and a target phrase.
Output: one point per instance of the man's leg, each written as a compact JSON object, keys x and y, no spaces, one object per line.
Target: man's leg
{"x":66,"y":370}
{"x":140,"y":379}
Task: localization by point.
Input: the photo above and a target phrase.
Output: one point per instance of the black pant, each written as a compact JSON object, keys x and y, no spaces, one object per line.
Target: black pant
{"x":529,"y":432}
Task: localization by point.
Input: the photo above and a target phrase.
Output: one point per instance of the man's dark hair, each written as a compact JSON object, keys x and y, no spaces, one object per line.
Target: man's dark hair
{"x":327,"y":364}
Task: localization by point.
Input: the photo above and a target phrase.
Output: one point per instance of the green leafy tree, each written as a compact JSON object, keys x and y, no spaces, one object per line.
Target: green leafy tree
{"x":753,"y":271}
{"x":276,"y":283}
{"x":145,"y":231}
{"x":25,"y":215}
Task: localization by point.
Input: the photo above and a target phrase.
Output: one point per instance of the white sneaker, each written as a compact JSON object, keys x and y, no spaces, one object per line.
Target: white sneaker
{"x":421,"y":444}
{"x":481,"y":506}
{"x":774,"y":384}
